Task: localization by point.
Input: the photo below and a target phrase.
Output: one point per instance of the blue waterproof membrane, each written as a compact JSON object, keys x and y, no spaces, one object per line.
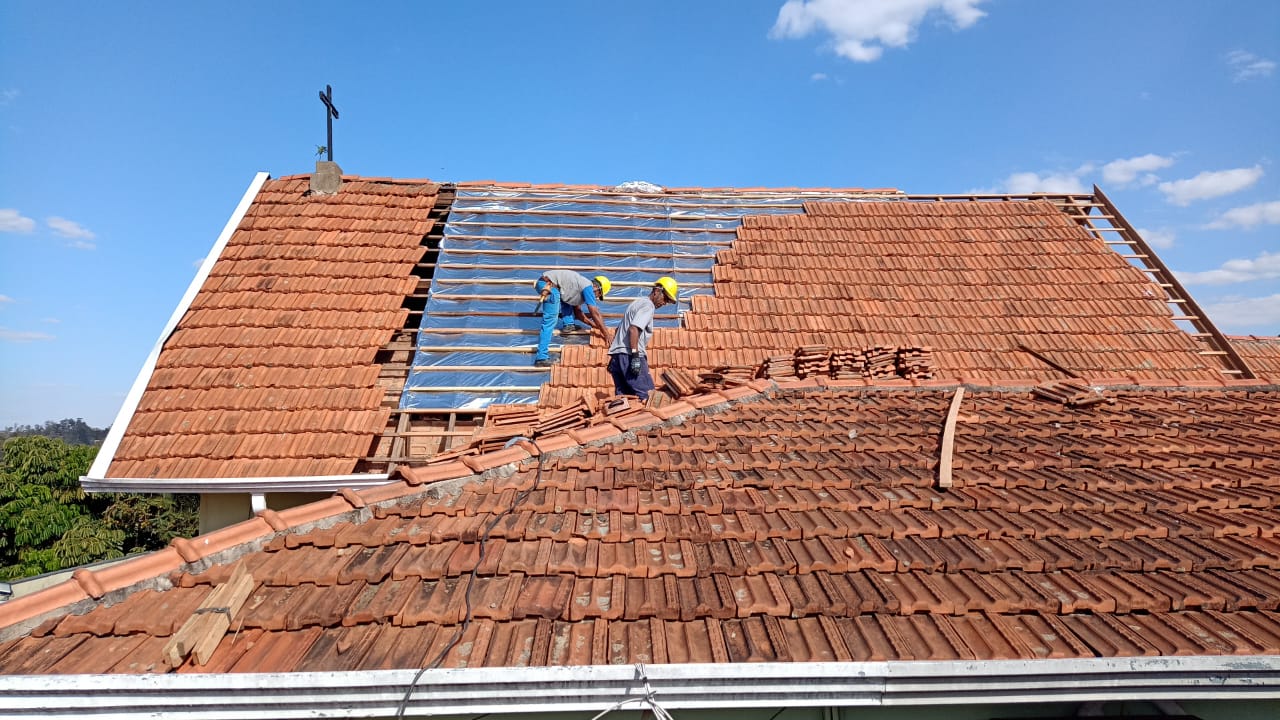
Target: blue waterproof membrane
{"x":476,"y":340}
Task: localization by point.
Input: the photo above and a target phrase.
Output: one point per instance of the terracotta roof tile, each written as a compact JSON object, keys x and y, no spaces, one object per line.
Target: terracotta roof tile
{"x":768,"y":522}
{"x":304,"y":293}
{"x":971,"y":280}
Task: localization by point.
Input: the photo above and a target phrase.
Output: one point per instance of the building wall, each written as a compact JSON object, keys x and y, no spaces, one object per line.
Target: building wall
{"x":218,"y":510}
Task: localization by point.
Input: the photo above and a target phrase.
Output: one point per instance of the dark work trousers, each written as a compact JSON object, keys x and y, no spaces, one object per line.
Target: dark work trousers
{"x":639,"y":385}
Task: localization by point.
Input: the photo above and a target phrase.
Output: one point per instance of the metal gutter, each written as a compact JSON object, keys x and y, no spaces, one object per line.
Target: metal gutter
{"x":301,"y":483}
{"x":112,"y":442}
{"x":598,"y":687}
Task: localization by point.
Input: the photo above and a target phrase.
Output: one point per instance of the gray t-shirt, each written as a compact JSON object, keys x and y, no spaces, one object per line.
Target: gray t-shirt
{"x":639,"y":314}
{"x":571,"y":285}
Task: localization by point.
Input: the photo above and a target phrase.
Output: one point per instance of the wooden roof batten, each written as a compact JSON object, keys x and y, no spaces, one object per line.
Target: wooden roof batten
{"x":1177,"y":296}
{"x":396,"y":357}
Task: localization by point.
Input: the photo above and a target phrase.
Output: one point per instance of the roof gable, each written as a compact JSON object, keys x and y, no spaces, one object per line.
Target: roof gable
{"x":305,"y":293}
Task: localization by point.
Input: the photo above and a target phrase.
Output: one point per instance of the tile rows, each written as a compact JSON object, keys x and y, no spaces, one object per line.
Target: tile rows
{"x":971,"y":280}
{"x":1262,"y":354}
{"x":798,"y":526}
{"x":545,"y":642}
{"x":304,"y":294}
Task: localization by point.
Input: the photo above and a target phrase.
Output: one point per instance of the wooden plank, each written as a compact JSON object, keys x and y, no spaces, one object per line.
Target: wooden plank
{"x":1236,"y":364}
{"x":206,"y":627}
{"x":477,"y":368}
{"x":1047,"y":361}
{"x":477,"y":389}
{"x":949,"y":439}
{"x":481,"y":348}
{"x":614,"y":241}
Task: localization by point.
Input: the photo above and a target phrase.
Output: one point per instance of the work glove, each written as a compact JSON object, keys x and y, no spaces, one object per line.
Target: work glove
{"x":633,"y":368}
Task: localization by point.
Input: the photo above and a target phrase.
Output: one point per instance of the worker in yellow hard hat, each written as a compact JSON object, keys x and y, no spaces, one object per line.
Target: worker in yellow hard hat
{"x":628,"y":361}
{"x":563,"y":296}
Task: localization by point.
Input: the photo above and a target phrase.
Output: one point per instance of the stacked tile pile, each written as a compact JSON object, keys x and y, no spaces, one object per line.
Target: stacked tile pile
{"x":727,"y":376}
{"x":501,"y":423}
{"x":879,"y":362}
{"x":915,"y":363}
{"x":813,"y":360}
{"x":847,"y":364}
{"x":778,"y":367}
{"x":571,"y":417}
{"x":681,"y":383}
{"x":1072,"y":393}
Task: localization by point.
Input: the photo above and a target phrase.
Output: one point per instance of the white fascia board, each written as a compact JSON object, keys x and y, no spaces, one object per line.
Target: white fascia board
{"x":596,"y":688}
{"x":108,"y":450}
{"x":301,"y":483}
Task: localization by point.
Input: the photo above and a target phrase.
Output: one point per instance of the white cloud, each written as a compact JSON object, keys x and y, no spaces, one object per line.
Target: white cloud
{"x":1249,"y":216}
{"x":5,"y":299}
{"x":1247,"y":66}
{"x":1240,"y":313}
{"x":862,"y":29}
{"x":7,"y":96}
{"x":1159,"y":239}
{"x":13,"y":221}
{"x":22,"y":336}
{"x":1124,"y":172}
{"x":1210,"y":184}
{"x":69,"y":229}
{"x":818,"y":77}
{"x":50,"y":320}
{"x":1264,"y":267}
{"x":82,"y":245}
{"x":1067,"y":181}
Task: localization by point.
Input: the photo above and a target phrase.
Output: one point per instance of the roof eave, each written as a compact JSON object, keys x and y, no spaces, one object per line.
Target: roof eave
{"x":112,"y":442}
{"x":306,"y":483}
{"x":598,"y":687}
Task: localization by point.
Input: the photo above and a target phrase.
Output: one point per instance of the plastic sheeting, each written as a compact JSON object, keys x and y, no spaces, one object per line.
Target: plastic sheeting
{"x":481,"y":321}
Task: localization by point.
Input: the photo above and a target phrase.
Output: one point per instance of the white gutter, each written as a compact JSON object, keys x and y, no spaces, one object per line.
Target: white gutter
{"x":301,"y":483}
{"x":596,"y":688}
{"x":109,"y":446}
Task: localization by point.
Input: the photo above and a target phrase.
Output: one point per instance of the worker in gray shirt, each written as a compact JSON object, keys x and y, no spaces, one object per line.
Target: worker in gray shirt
{"x":562,"y":295}
{"x":628,"y":363}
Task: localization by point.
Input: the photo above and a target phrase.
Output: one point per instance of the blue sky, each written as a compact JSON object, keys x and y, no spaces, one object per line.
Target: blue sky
{"x":130,"y":131}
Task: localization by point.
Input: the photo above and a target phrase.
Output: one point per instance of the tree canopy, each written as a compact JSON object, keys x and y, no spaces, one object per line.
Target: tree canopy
{"x":48,"y":522}
{"x":74,"y":431}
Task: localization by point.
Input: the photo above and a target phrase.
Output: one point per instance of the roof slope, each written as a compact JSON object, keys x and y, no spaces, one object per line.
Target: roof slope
{"x":971,"y":280}
{"x":1261,"y":353}
{"x":306,"y":291}
{"x":800,"y":525}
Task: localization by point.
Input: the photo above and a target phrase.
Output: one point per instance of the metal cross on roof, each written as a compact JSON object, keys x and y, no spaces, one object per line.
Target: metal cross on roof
{"x":330,"y":114}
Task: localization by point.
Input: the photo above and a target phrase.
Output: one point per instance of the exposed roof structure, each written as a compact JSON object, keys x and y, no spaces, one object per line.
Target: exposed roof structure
{"x":991,"y":512}
{"x":327,"y":333}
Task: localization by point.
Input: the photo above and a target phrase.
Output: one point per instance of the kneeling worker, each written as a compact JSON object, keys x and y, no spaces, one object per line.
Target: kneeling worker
{"x":565,"y":295}
{"x":628,"y":364}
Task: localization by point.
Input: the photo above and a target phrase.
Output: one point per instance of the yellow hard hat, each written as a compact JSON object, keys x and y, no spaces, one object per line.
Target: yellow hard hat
{"x":669,"y":287}
{"x":604,"y":284}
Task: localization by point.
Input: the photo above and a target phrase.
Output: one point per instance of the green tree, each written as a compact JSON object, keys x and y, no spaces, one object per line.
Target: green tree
{"x":48,"y":522}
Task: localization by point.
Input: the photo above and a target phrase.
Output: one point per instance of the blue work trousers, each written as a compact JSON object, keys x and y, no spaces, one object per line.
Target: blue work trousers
{"x":553,"y":312}
{"x":640,"y":384}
